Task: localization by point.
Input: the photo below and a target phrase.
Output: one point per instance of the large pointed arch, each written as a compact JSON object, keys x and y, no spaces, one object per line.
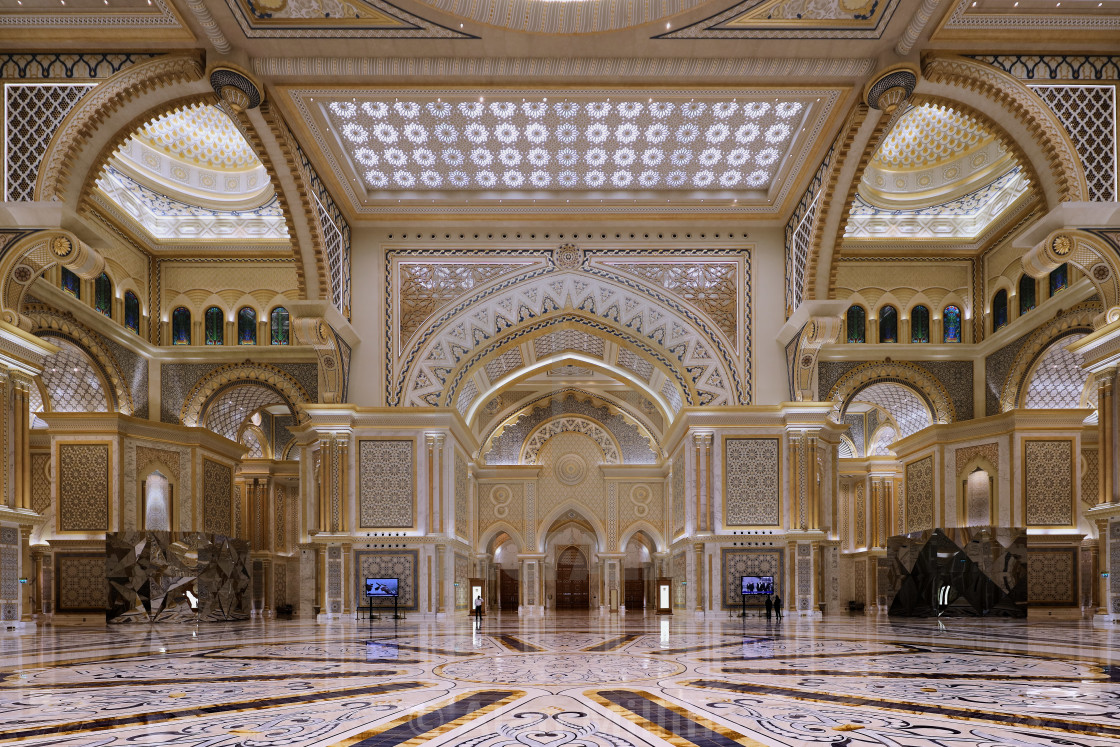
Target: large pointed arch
{"x":936,"y":398}
{"x":557,"y":514}
{"x":658,"y":333}
{"x":1078,"y":319}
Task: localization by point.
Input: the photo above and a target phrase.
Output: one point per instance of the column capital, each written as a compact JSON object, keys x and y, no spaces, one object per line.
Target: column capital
{"x":703,"y":438}
{"x":434,"y":440}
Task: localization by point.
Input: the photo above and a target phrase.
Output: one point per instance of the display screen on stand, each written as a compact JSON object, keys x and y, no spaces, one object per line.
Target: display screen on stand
{"x":381,"y":587}
{"x":757,"y":585}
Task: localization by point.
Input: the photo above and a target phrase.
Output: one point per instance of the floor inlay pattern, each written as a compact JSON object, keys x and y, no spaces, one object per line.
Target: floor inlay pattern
{"x":568,"y":680}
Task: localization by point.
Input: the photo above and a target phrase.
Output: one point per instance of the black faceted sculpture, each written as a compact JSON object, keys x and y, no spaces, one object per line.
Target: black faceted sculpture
{"x":958,"y":572}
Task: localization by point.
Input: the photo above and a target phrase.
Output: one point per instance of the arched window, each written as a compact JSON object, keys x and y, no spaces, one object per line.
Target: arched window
{"x":71,"y":284}
{"x":1059,"y":278}
{"x":278,"y":324}
{"x":215,"y":323}
{"x":103,"y":294}
{"x":919,"y":324}
{"x":857,"y":324}
{"x":132,"y":311}
{"x":180,"y":327}
{"x":951,"y":324}
{"x":999,"y":310}
{"x":246,"y":326}
{"x":888,"y":324}
{"x":1027,"y":292}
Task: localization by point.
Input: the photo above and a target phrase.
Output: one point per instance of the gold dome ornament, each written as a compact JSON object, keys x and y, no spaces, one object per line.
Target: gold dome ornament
{"x":891,"y":88}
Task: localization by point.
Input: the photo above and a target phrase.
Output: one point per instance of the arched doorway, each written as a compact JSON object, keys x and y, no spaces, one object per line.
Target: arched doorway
{"x":573,"y":582}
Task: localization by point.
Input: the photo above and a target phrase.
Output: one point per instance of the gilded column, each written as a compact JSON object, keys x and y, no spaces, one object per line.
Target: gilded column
{"x":434,"y":442}
{"x":1107,"y":441}
{"x":441,"y":554}
{"x":700,"y":510}
{"x":698,"y":549}
{"x":812,"y":477}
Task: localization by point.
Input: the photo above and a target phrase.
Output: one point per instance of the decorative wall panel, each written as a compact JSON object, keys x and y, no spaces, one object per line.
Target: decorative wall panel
{"x":735,"y":563}
{"x":570,"y":474}
{"x":9,"y":573}
{"x":678,"y":494}
{"x":80,"y":584}
{"x":752,"y":481}
{"x":83,"y":487}
{"x":386,"y":488}
{"x":679,"y":564}
{"x":1052,"y":576}
{"x":399,"y":564}
{"x":33,"y":112}
{"x":462,"y":498}
{"x":1090,"y":476}
{"x":989,"y":451}
{"x":919,"y":495}
{"x":861,"y":514}
{"x":859,"y":589}
{"x":217,"y":489}
{"x":40,"y":483}
{"x":501,"y":503}
{"x":462,"y":587}
{"x":1048,"y":482}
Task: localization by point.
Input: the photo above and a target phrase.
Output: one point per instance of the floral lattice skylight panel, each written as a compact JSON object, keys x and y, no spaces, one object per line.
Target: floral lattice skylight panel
{"x":647,"y":146}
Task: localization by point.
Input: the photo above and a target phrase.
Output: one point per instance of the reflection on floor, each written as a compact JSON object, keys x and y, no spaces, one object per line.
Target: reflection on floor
{"x":564,"y":681}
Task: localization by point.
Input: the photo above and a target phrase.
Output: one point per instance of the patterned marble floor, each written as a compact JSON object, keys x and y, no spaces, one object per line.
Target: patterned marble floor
{"x":564,"y":681}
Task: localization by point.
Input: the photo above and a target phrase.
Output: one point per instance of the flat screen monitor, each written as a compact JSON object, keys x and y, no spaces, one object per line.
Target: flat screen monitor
{"x":381,"y":587}
{"x":758,"y":585}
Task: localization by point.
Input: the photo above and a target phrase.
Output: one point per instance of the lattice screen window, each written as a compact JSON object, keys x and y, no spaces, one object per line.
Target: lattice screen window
{"x":32,"y":113}
{"x":799,"y":234}
{"x":1089,"y":116}
{"x":338,"y":261}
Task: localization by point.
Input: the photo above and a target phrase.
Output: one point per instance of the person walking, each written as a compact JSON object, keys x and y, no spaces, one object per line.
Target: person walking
{"x":478,"y":609}
{"x":769,"y":607}
{"x":778,"y":607}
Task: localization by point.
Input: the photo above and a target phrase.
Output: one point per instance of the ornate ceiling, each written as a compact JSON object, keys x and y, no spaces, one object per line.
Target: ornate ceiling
{"x":397,"y":150}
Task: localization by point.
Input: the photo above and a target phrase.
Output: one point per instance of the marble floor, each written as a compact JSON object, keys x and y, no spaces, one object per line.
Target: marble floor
{"x":569,"y":680}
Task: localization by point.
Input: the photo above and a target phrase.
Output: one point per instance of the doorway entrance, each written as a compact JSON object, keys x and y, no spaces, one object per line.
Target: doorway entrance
{"x":573,"y":583}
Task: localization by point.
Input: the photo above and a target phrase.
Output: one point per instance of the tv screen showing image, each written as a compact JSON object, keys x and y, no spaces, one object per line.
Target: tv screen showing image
{"x":381,"y":587}
{"x":758,"y":585}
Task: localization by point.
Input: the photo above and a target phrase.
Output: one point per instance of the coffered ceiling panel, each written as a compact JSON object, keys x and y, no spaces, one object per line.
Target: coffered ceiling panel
{"x":335,"y":19}
{"x":92,"y":19}
{"x":525,"y":150}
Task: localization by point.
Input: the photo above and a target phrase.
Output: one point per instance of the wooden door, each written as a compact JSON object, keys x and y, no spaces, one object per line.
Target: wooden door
{"x":573,"y":582}
{"x":507,"y":590}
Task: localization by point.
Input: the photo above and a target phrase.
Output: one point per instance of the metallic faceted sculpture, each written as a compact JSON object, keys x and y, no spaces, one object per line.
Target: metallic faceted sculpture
{"x":150,"y":574}
{"x":958,"y":572}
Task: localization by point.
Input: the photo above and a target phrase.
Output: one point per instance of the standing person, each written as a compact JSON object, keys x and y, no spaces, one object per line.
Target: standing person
{"x":769,"y":606}
{"x":778,"y":606}
{"x":478,"y":609}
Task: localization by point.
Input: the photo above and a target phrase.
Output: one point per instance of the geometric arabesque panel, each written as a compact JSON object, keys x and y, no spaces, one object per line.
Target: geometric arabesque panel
{"x":752,"y":481}
{"x":386,"y":492}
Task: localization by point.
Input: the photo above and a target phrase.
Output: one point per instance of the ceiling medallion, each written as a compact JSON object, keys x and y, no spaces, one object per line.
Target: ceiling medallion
{"x":893,"y":87}
{"x":568,"y":257}
{"x":235,"y":89}
{"x":61,"y":246}
{"x":1061,"y":245}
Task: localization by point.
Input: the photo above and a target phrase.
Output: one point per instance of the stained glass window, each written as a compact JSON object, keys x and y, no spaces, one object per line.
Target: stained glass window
{"x":279,"y":326}
{"x":1059,"y":278}
{"x":951,"y":321}
{"x":999,"y":310}
{"x":215,"y":326}
{"x":1027,"y":287}
{"x":919,"y":324}
{"x":857,"y":324}
{"x":180,"y":327}
{"x":246,"y":326}
{"x":888,"y":324}
{"x":103,"y":294}
{"x":71,"y":284}
{"x":132,"y":311}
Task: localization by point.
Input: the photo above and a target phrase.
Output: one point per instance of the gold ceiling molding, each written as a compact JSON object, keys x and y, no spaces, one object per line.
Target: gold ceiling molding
{"x":675,"y":70}
{"x":1021,"y":105}
{"x":1091,"y":254}
{"x":1080,"y":318}
{"x":138,"y":87}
